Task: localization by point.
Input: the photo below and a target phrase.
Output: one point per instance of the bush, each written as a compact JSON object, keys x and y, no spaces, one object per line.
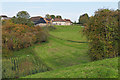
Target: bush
{"x":18,"y":36}
{"x":102,"y":31}
{"x":23,"y":21}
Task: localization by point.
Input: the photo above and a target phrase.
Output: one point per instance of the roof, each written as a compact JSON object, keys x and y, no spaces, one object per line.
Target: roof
{"x":58,"y":20}
{"x":3,"y":16}
{"x":35,"y":18}
{"x":67,"y":20}
{"x":41,"y":20}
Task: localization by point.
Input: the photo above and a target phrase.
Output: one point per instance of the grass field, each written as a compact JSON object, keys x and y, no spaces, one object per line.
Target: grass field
{"x":73,"y":32}
{"x":55,"y":53}
{"x":63,"y":58}
{"x":59,"y":53}
{"x":107,"y":68}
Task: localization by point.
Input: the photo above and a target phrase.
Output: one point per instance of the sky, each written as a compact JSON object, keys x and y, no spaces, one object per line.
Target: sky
{"x":70,"y":10}
{"x":59,"y":0}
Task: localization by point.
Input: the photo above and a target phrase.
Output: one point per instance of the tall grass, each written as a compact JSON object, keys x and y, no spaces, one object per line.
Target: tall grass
{"x":16,"y":67}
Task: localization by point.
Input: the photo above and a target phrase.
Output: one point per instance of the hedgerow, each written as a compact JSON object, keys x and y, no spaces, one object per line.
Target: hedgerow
{"x":102,"y":32}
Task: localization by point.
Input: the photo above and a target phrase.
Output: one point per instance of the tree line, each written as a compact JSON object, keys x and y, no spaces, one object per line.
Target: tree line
{"x":52,"y":16}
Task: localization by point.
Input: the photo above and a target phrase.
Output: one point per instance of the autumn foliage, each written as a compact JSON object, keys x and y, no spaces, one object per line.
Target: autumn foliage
{"x":18,"y":36}
{"x":102,"y":32}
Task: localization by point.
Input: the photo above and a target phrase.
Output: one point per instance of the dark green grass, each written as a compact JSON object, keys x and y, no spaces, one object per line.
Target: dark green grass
{"x":107,"y":68}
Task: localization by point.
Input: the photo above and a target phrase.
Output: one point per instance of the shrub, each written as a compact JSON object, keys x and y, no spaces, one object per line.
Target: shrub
{"x":102,"y":31}
{"x":22,"y":21}
{"x":18,"y":36}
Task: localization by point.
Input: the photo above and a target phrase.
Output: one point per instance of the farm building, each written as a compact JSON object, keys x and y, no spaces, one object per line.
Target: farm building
{"x":58,"y":21}
{"x":38,"y":21}
{"x":3,"y":17}
{"x":68,"y":22}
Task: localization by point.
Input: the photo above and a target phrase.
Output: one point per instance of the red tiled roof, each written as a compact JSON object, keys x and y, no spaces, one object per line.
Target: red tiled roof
{"x":58,"y":19}
{"x":67,"y":20}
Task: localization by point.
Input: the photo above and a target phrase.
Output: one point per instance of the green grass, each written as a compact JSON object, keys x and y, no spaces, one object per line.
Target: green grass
{"x":63,"y":58}
{"x":107,"y":68}
{"x":59,"y":53}
{"x":72,"y":32}
{"x":55,"y":53}
{"x":20,"y":64}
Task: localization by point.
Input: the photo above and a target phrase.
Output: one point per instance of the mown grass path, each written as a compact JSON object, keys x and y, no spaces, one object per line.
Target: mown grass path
{"x":59,"y":52}
{"x":68,"y":40}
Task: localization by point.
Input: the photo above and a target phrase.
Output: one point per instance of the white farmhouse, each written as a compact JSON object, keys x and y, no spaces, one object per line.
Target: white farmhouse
{"x":58,"y":21}
{"x":68,"y":22}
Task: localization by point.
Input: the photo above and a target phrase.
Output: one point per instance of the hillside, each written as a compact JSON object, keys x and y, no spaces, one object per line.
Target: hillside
{"x":59,"y":58}
{"x":73,"y":32}
{"x":107,"y":68}
{"x":61,"y":53}
{"x":50,"y":55}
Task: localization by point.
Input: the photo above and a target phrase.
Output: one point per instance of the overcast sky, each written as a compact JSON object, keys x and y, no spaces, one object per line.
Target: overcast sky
{"x":70,"y":10}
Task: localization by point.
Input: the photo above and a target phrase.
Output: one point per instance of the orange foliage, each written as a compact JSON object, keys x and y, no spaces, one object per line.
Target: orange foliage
{"x":18,"y":36}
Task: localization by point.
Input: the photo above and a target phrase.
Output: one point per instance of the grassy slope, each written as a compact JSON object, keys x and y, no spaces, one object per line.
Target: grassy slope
{"x":72,"y":32}
{"x":57,"y":53}
{"x":107,"y":68}
{"x":60,"y":53}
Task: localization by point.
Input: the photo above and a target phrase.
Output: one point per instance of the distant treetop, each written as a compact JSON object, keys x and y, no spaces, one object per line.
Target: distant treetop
{"x":23,"y":14}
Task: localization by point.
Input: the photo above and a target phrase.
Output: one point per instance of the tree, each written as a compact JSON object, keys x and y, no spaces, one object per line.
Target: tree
{"x":47,"y":16}
{"x":22,"y":18}
{"x":74,"y":22}
{"x":58,"y":16}
{"x":52,"y":16}
{"x":22,"y":21}
{"x":83,"y":19}
{"x":23,"y":14}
